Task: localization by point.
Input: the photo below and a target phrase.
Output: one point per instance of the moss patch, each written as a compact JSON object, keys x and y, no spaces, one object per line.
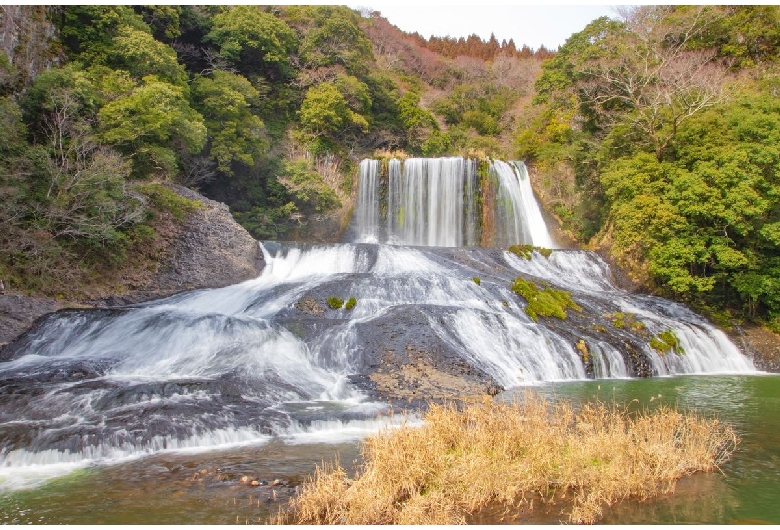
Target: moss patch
{"x":335,"y":303}
{"x":667,"y":341}
{"x":547,"y":303}
{"x":167,"y":200}
{"x":526,"y":251}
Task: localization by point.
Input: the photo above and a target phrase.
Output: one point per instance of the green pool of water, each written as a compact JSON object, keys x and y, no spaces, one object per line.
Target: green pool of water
{"x":206,"y":488}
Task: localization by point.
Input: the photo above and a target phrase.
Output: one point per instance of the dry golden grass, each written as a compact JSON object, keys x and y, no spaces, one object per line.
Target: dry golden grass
{"x":461,"y":461}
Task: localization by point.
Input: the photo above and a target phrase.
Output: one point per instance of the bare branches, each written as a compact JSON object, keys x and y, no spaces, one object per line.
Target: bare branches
{"x":651,"y":77}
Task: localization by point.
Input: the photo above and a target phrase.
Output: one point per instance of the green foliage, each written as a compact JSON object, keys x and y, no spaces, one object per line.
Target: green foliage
{"x":141,"y":54}
{"x":149,"y":123}
{"x":266,"y":222}
{"x":547,"y":303}
{"x":165,"y":199}
{"x":309,"y":191}
{"x":351,"y":303}
{"x":164,"y":20}
{"x":478,"y":106}
{"x":667,"y":341}
{"x":235,"y":133}
{"x":253,"y":41}
{"x":705,"y":223}
{"x":477,"y":280}
{"x":335,"y":303}
{"x":87,"y":31}
{"x":326,"y":116}
{"x":337,"y":40}
{"x":416,"y":121}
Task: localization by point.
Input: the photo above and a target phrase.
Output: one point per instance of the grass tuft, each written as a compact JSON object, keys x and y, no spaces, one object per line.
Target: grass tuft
{"x":461,"y":461}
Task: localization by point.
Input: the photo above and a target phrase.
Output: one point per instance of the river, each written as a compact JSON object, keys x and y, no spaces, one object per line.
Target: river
{"x":161,"y":489}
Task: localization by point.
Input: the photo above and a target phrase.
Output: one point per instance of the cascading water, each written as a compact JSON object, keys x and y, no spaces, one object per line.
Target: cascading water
{"x":435,"y":202}
{"x":518,"y":212}
{"x":367,"y":210}
{"x":269,"y":358}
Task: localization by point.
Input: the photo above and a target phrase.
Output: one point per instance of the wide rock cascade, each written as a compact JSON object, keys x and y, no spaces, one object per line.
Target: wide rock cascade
{"x":271,"y":357}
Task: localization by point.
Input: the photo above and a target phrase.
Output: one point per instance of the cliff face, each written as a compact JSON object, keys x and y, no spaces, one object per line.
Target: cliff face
{"x":27,"y":40}
{"x":209,"y":249}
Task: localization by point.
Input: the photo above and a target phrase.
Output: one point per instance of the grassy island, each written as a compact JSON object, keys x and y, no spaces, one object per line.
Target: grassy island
{"x":462,"y":461}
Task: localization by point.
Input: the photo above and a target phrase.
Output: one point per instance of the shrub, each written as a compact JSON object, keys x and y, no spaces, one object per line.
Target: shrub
{"x":477,"y":280}
{"x":350,"y":303}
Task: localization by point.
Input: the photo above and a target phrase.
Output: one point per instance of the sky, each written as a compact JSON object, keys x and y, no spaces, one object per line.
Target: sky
{"x":534,"y":25}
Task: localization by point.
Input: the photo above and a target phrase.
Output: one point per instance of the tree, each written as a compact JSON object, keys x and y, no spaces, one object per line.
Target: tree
{"x":325,"y":116}
{"x":337,"y":40}
{"x":254,"y":41}
{"x":150,"y":123}
{"x":417,"y":121}
{"x":141,"y":54}
{"x":235,"y":132}
{"x":87,"y":31}
{"x":647,"y":74}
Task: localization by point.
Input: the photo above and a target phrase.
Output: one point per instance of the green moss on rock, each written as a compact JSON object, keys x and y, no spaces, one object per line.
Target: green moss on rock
{"x":526,"y":251}
{"x":335,"y":303}
{"x":667,"y":341}
{"x":548,"y":302}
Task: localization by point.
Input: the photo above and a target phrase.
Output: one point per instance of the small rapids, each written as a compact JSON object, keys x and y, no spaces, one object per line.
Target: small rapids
{"x":268,"y":358}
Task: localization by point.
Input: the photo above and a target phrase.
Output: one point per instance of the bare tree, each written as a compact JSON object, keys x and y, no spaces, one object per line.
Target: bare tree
{"x":651,"y":76}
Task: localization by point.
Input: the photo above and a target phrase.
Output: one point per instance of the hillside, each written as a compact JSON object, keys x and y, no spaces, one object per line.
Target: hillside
{"x":651,"y":138}
{"x":266,"y":109}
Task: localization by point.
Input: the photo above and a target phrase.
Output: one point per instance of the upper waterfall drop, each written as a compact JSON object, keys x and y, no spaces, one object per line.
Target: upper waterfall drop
{"x":444,"y":202}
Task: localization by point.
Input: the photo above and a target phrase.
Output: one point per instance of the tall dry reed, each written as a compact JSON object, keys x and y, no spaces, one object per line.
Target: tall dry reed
{"x":462,"y":460}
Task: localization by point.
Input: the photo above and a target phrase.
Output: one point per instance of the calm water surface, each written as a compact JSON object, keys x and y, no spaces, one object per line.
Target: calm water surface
{"x":205,"y":488}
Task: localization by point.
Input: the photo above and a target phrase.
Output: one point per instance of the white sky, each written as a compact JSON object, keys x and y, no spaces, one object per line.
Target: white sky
{"x":533,"y":25}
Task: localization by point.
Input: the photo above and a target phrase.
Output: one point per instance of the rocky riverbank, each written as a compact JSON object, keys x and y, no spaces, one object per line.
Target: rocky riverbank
{"x":208,"y":249}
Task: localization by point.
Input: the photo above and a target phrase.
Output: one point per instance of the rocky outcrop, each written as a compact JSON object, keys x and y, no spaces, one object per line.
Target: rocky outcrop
{"x":209,"y":249}
{"x":758,"y":343}
{"x":212,"y":250}
{"x":27,"y":41}
{"x":18,"y":312}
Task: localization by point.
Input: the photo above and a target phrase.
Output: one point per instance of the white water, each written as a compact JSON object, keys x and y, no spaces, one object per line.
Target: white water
{"x":519,"y":217}
{"x":217,"y":368}
{"x":367,"y":210}
{"x":434,"y":202}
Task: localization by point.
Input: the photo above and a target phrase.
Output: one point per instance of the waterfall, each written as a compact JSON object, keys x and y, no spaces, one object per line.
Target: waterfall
{"x":434,"y":202}
{"x":269,"y":358}
{"x":519,"y":217}
{"x":367,"y":211}
{"x":425,"y":203}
